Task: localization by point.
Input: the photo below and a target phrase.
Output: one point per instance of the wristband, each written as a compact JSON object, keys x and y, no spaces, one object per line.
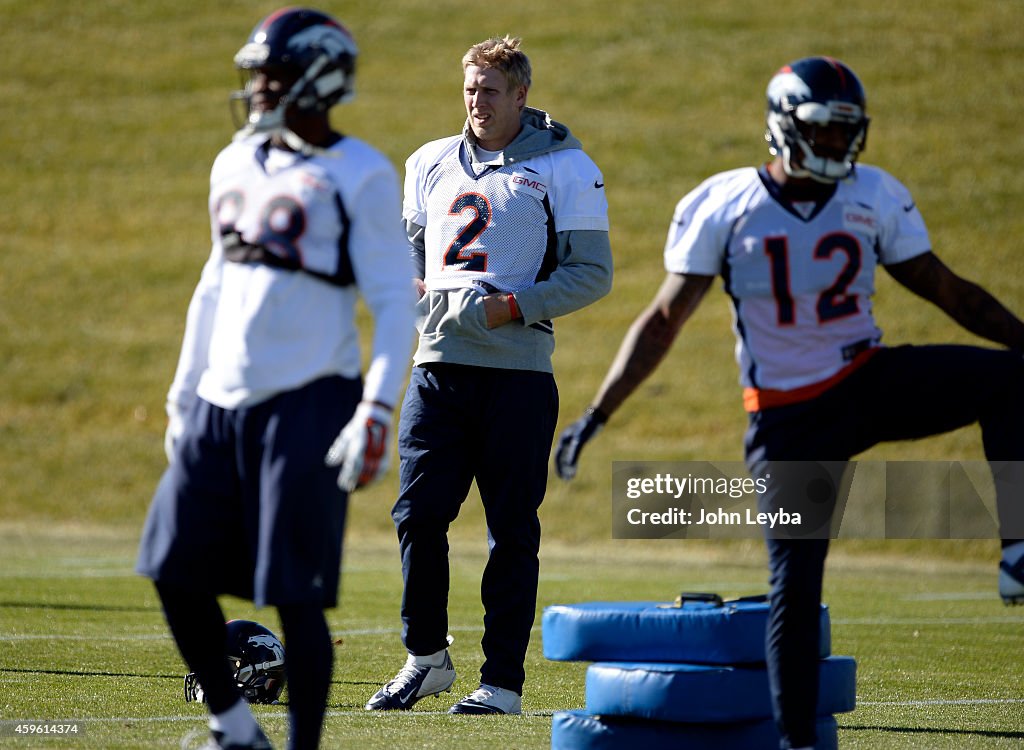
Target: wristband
{"x":513,"y":307}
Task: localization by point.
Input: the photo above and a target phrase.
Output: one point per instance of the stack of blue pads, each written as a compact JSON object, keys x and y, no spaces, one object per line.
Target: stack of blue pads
{"x":687,"y":675}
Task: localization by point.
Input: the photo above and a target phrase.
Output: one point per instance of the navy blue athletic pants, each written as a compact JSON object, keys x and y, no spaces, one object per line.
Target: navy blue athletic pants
{"x":459,"y":423}
{"x":901,"y":393}
{"x":247,"y":507}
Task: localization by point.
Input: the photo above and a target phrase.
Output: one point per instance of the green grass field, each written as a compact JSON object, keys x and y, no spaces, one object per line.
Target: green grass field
{"x":83,"y":639}
{"x":112,"y":113}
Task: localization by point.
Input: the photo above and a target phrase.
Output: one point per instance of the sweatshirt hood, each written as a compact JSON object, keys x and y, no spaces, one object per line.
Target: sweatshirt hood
{"x":540,"y":135}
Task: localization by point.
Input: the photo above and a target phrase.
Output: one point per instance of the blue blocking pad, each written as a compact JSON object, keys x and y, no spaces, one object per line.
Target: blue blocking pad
{"x":697,"y":632}
{"x":579,"y":730}
{"x":704,"y":693}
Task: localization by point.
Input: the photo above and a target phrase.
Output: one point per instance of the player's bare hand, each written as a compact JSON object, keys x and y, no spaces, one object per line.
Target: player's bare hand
{"x":500,"y":309}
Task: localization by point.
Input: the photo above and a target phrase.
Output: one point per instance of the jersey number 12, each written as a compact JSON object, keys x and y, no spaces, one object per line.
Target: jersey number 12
{"x":833,"y":302}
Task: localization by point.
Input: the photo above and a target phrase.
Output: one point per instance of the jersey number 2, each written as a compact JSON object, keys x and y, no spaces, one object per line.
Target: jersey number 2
{"x":480,"y":208}
{"x":833,"y":302}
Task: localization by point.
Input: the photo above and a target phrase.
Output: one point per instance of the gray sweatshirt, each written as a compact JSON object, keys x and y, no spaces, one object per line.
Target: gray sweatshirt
{"x":577,"y":267}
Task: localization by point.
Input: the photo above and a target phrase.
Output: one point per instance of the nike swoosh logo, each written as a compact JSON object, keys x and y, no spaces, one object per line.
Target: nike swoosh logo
{"x":598,"y":185}
{"x":909,"y":207}
{"x":406,"y":699}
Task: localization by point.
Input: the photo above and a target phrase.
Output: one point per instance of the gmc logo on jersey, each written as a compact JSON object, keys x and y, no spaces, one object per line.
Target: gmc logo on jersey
{"x":853,"y":220}
{"x":518,"y":179}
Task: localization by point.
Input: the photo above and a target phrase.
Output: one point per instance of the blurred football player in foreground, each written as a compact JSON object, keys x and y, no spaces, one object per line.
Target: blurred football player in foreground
{"x":268,"y":399}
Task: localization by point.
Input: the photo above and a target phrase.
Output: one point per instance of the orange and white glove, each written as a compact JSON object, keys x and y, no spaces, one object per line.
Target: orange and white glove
{"x":362,"y":450}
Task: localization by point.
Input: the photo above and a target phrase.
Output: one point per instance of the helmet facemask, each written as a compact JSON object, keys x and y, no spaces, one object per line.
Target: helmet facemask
{"x":796,"y":129}
{"x":260,"y":682}
{"x":248,"y":120}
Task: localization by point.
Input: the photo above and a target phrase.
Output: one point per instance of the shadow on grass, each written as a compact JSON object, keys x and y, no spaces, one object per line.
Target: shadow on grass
{"x":88,"y":673}
{"x":936,"y":730}
{"x":93,"y":673}
{"x":82,"y":607}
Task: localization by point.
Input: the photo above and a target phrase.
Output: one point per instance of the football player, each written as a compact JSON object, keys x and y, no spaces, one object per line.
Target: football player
{"x":271,"y":423}
{"x":798,"y":242}
{"x":508,"y":225}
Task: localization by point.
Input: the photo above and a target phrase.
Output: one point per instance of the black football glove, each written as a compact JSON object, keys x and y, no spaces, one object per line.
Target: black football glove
{"x":572,"y":440}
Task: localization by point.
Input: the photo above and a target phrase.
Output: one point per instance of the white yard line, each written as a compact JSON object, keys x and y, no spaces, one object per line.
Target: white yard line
{"x":1009,"y":620}
{"x":950,"y":702}
{"x":537,"y":713}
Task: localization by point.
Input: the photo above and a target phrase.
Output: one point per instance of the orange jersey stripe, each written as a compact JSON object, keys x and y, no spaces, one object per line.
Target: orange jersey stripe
{"x":756,"y":399}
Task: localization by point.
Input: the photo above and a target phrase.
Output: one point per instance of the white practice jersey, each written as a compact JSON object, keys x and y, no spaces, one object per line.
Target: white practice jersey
{"x":801,"y":285}
{"x":275,"y":307}
{"x":495,"y":223}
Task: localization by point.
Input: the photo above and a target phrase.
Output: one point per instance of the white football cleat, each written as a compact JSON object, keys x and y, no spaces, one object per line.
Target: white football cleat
{"x":415,"y":680}
{"x":488,"y":699}
{"x":219,"y":741}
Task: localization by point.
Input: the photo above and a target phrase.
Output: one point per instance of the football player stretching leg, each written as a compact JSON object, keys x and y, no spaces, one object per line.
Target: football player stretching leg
{"x":797,"y":243}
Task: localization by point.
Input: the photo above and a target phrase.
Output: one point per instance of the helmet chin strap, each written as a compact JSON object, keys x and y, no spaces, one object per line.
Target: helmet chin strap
{"x":297,"y":143}
{"x":823,"y":174}
{"x":263,"y":122}
{"x":272,"y":125}
{"x":288,"y":137}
